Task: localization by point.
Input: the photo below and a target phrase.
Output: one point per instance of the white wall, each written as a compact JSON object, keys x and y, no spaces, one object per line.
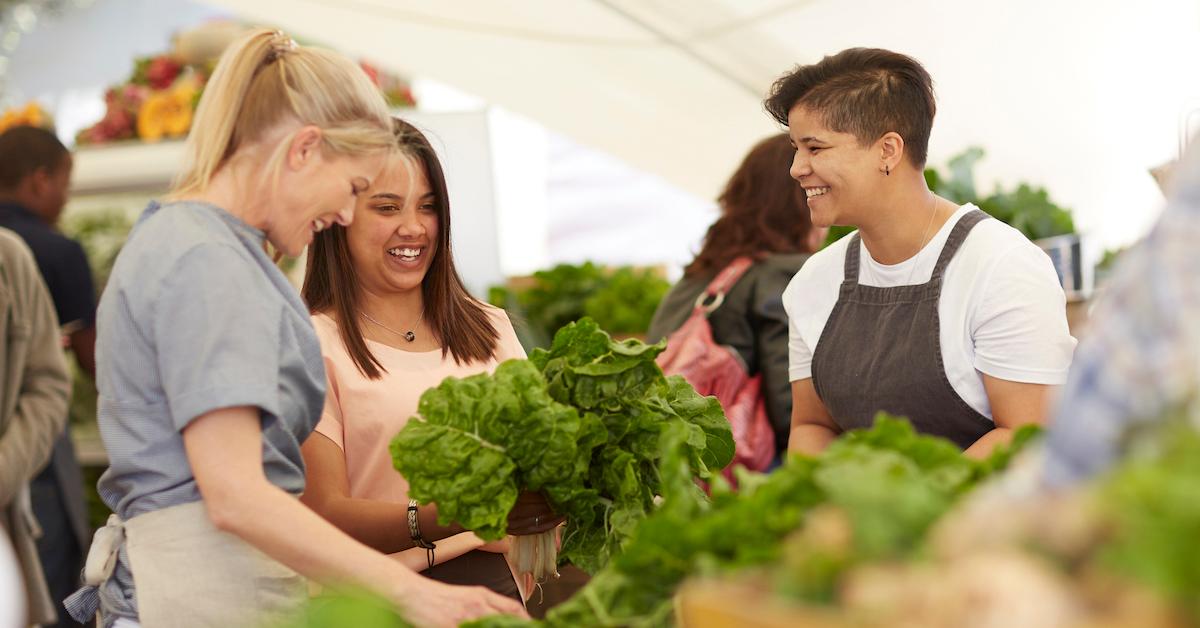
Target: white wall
{"x":1081,"y":97}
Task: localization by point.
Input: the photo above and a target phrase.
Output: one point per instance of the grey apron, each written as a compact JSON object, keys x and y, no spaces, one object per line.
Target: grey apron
{"x":881,"y":350}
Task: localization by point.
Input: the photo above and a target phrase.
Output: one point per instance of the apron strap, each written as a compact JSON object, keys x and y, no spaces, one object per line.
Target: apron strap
{"x":852,"y":252}
{"x":101,"y":562}
{"x":957,"y":236}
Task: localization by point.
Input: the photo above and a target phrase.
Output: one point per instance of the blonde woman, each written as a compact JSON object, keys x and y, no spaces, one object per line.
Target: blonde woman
{"x":209,"y":370}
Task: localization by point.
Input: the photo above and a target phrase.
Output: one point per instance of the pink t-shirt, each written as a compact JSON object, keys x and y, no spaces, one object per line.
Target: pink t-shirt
{"x":362,"y":415}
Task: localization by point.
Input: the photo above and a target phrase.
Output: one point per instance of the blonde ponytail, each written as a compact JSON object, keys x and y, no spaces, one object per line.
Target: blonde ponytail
{"x":263,"y":79}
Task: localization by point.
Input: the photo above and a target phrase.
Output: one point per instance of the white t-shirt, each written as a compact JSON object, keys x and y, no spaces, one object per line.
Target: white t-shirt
{"x":1002,"y":309}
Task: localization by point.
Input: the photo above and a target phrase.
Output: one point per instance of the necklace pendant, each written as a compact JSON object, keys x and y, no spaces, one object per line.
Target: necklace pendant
{"x":410,"y":336}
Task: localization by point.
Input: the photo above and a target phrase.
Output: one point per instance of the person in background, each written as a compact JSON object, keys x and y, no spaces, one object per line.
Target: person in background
{"x":1140,"y":359}
{"x":35,"y":172}
{"x":395,"y":320}
{"x":210,"y":372}
{"x":931,"y":310}
{"x":763,"y":216}
{"x":34,"y":391}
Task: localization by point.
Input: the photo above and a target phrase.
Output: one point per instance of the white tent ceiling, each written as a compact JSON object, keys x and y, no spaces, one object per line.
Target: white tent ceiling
{"x":674,"y":87}
{"x":671,"y":86}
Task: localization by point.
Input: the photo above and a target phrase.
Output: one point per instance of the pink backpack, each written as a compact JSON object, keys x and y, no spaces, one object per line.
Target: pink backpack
{"x":718,"y":370}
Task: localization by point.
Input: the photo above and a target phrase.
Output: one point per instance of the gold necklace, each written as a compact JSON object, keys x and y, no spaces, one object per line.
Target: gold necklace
{"x":408,"y":335}
{"x":921,"y":244}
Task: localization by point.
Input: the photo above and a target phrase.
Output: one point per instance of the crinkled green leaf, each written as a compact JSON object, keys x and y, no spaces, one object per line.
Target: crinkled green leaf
{"x":891,"y":482}
{"x":586,"y":421}
{"x":472,"y":480}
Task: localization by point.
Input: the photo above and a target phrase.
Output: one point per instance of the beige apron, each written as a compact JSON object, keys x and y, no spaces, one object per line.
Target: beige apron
{"x":188,"y":574}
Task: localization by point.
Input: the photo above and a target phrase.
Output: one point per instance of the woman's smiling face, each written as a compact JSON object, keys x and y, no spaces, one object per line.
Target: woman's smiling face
{"x":394,"y":236}
{"x":837,"y":172}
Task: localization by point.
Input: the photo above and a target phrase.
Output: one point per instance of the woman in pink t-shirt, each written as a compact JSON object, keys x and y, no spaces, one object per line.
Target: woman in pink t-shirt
{"x":394,"y":319}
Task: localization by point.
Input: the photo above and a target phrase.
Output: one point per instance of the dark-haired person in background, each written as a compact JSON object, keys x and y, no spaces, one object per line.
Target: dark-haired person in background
{"x":930,"y":310}
{"x":35,"y":172}
{"x":763,"y":216}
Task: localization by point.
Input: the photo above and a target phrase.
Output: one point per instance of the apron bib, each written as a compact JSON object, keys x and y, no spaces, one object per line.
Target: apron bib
{"x":881,"y":351}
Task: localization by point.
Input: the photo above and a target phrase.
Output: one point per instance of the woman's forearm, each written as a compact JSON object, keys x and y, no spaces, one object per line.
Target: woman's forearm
{"x":449,"y":548}
{"x":284,"y":529}
{"x":810,"y":439}
{"x":983,"y":447}
{"x":379,"y":524}
{"x":224,"y":450}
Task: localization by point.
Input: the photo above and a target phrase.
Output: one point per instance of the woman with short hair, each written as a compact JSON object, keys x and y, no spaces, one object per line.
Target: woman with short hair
{"x":931,"y":310}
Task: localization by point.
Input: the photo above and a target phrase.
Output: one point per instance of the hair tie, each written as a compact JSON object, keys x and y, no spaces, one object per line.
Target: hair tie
{"x":281,"y":44}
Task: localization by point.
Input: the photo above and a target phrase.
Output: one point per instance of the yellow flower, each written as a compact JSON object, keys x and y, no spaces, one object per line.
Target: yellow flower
{"x":29,"y":115}
{"x":167,"y":113}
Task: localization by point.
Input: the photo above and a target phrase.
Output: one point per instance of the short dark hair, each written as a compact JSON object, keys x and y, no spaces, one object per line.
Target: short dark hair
{"x":24,"y":150}
{"x":865,"y":92}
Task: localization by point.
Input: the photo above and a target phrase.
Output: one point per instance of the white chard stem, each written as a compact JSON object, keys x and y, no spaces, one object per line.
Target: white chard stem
{"x":536,"y":554}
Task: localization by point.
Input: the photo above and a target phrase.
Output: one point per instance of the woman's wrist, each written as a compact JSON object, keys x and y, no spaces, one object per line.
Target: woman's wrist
{"x":430,"y":529}
{"x":414,"y":531}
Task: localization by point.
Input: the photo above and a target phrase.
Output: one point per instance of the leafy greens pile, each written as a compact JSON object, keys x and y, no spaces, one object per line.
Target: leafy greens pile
{"x":621,"y":300}
{"x":891,"y":483}
{"x":585,"y":422}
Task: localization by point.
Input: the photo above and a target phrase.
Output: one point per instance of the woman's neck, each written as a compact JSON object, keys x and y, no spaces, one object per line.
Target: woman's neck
{"x":233,"y":191}
{"x":904,"y":225}
{"x":397,"y":310}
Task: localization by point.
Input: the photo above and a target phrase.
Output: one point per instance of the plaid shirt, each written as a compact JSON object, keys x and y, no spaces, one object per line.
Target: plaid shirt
{"x":1141,"y":356}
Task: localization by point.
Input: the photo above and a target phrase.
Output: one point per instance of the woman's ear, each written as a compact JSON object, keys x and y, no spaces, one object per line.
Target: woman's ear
{"x":891,"y":151}
{"x":305,"y":146}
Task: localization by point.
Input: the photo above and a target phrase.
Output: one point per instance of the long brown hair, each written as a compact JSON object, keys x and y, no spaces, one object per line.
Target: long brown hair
{"x":459,"y":321}
{"x":763,"y":211}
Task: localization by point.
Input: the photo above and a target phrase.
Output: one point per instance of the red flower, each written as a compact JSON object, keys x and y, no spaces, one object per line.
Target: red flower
{"x":162,"y":71}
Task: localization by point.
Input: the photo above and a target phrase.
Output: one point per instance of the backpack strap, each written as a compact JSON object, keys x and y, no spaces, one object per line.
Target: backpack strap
{"x":714,"y":295}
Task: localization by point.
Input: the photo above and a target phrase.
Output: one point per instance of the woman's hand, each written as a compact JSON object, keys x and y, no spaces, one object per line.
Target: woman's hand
{"x":436,"y":605}
{"x":496,"y":547}
{"x":532,"y":514}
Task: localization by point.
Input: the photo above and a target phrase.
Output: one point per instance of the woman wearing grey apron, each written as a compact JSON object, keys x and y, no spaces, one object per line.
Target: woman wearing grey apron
{"x":931,"y":310}
{"x":210,"y":372}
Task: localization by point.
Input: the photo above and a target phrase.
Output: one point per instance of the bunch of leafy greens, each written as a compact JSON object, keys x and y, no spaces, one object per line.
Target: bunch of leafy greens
{"x":891,"y":482}
{"x":884,"y":489}
{"x":584,"y":422}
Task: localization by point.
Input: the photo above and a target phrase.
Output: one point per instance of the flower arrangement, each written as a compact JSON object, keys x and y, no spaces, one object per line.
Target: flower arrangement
{"x":31,"y":114}
{"x":156,"y":102}
{"x":159,"y":99}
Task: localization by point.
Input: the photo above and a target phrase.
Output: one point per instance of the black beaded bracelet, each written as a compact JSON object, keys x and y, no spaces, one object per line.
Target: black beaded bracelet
{"x":414,"y":532}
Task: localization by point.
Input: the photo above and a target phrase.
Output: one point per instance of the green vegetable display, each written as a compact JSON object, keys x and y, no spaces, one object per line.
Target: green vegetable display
{"x":891,"y":482}
{"x":584,"y":422}
{"x":621,"y":300}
